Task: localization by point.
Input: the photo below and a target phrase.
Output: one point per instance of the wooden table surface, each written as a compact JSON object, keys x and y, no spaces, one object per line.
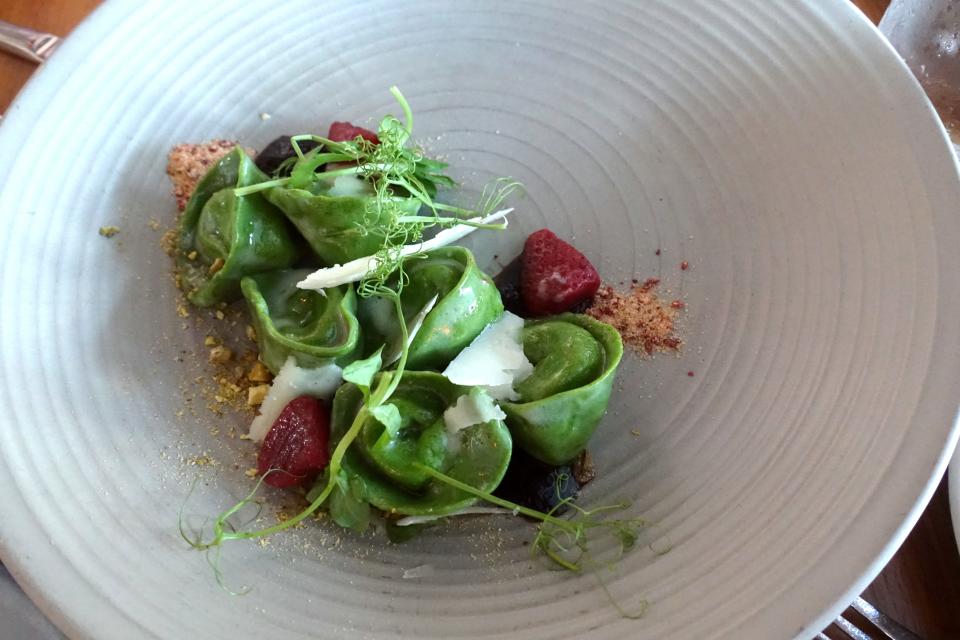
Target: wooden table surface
{"x":920,"y":587}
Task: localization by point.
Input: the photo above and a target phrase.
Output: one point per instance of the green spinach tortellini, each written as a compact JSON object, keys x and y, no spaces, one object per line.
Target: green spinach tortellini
{"x":314,"y":327}
{"x":467,"y":302}
{"x":338,"y":217}
{"x":383,"y":463}
{"x":575,"y":359}
{"x":224,"y":237}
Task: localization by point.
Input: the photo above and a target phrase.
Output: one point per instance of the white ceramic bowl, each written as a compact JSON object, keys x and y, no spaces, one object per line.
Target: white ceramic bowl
{"x":778,"y":146}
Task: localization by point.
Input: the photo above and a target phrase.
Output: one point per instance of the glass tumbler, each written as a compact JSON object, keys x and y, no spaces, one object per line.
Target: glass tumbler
{"x":926,"y":33}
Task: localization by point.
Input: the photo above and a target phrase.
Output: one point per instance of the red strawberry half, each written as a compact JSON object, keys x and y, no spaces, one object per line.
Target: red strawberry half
{"x":554,"y":277}
{"x":295,"y":449}
{"x":344,"y":131}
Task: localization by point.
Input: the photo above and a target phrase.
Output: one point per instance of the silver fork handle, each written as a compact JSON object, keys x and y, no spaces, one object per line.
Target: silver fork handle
{"x":27,"y":43}
{"x":885,"y":624}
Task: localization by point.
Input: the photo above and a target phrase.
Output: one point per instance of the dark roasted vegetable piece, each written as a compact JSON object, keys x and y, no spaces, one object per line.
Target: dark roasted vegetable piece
{"x":279,"y":150}
{"x":535,"y":484}
{"x":508,"y":284}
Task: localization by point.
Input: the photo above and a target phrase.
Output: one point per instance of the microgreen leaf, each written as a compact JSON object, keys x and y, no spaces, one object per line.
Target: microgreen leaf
{"x":361,"y":372}
{"x":318,"y":485}
{"x":566,"y":542}
{"x":348,"y":504}
{"x":303,"y":171}
{"x":389,"y":416}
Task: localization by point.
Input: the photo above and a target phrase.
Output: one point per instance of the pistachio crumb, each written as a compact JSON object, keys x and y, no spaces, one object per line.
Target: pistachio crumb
{"x":583,"y":468}
{"x":220,"y":355}
{"x":216,"y":266}
{"x":220,"y":315}
{"x":251,"y":472}
{"x":168,"y":242}
{"x":109,"y":231}
{"x":259,"y":373}
{"x":257,"y":394}
{"x":192,"y":255}
{"x":209,"y":341}
{"x":251,"y":333}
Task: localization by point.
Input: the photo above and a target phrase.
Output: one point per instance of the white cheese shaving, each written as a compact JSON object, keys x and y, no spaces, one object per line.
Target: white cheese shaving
{"x":420,"y":571}
{"x":291,"y":383}
{"x":494,"y":360}
{"x":350,"y":186}
{"x":355,"y":270}
{"x":410,"y":520}
{"x":476,"y":407}
{"x":394,"y":351}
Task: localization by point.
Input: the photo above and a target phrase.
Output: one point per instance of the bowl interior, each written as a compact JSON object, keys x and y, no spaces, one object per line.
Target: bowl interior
{"x":777,"y":147}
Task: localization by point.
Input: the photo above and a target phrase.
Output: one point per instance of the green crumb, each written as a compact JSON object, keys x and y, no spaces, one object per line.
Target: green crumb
{"x":109,"y":232}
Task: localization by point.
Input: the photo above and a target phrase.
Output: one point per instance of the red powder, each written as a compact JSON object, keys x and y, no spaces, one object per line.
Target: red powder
{"x":644,"y":321}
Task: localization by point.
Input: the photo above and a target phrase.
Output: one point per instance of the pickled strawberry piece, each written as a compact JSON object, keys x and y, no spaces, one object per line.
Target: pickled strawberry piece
{"x":554,"y":276}
{"x":344,"y":131}
{"x":296,"y":447}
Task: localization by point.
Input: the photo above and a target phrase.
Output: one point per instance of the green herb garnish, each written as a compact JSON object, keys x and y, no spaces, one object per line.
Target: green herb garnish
{"x":396,"y":171}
